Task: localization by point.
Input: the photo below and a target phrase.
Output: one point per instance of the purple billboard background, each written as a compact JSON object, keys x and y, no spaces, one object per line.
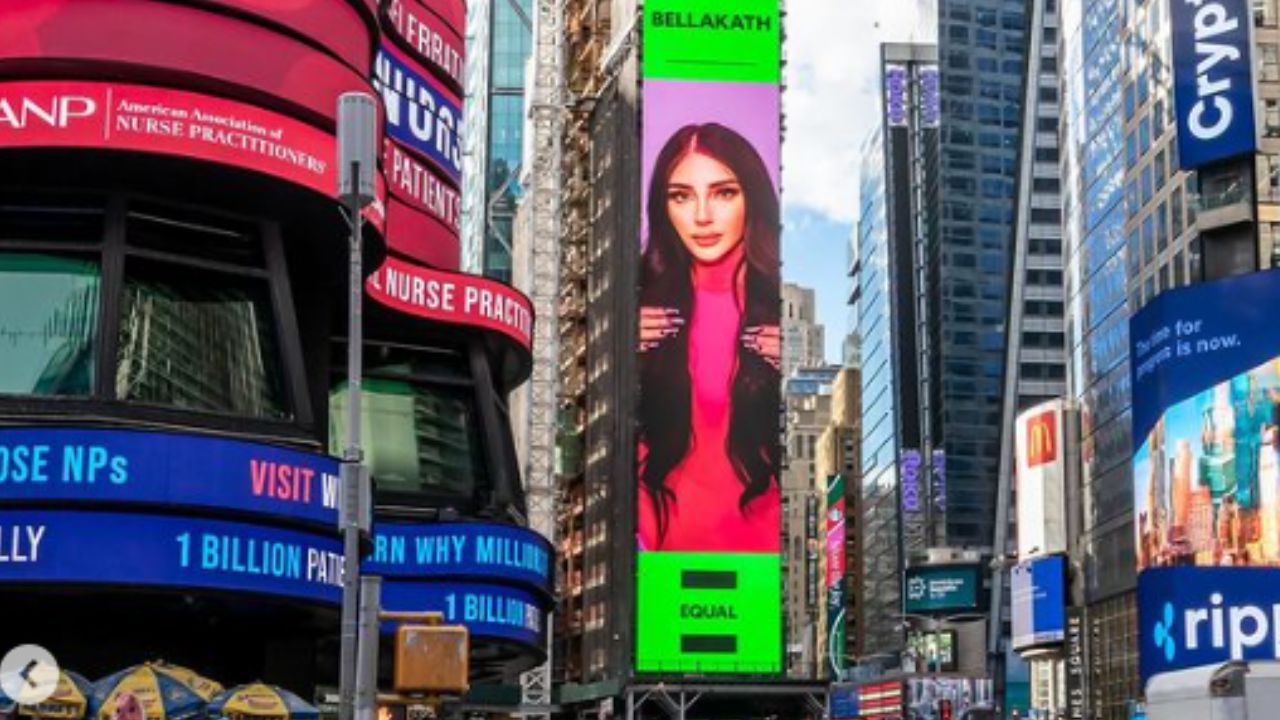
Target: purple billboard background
{"x":752,"y":110}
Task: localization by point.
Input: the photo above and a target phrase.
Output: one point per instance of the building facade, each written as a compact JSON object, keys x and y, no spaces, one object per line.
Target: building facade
{"x":174,"y":284}
{"x":838,"y":454}
{"x":808,"y":413}
{"x":872,"y":305}
{"x":499,"y":39}
{"x":802,"y":335}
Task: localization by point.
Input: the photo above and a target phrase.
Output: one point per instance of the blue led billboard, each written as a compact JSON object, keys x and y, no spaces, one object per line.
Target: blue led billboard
{"x":1206,"y":424}
{"x":1038,"y":599}
{"x":1212,"y":78}
{"x":128,"y":467}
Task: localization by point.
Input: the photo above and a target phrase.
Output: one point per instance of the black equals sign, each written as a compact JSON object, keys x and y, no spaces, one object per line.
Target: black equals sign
{"x":708,"y":580}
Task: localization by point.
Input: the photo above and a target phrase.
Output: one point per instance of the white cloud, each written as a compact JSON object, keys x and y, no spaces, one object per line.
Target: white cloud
{"x":831,"y":103}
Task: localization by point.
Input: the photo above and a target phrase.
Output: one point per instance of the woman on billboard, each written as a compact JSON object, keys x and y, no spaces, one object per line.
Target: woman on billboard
{"x":709,"y":348}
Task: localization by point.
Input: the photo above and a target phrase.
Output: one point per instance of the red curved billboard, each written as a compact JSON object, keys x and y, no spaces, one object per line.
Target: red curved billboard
{"x":454,"y":298}
{"x":139,"y":118}
{"x":175,"y":45}
{"x":328,"y":23}
{"x":434,"y":42}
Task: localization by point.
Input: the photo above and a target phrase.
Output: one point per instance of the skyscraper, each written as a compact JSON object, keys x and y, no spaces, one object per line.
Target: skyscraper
{"x":897,"y":166}
{"x":802,"y":335}
{"x":982,"y":58}
{"x":498,"y":43}
{"x":808,"y":413}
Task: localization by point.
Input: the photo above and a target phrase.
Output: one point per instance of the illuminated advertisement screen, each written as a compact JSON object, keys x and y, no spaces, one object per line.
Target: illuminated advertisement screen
{"x":496,"y":579}
{"x":167,"y":550}
{"x":497,"y":553}
{"x":450,"y":297}
{"x":115,"y":116}
{"x":1039,"y":602}
{"x":421,"y":112}
{"x":126,"y":467}
{"x":488,"y":610}
{"x":942,"y":588}
{"x":435,"y":42}
{"x":708,"y":499}
{"x":718,"y":40}
{"x":1206,"y":424}
{"x":835,"y":585}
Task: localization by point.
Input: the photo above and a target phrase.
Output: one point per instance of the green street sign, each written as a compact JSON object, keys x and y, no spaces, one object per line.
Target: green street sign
{"x":709,"y":613}
{"x":719,"y":40}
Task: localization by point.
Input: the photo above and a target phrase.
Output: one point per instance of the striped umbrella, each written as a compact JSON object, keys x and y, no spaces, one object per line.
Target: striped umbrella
{"x":259,"y":700}
{"x":203,"y":686}
{"x":69,"y":701}
{"x":145,"y":692}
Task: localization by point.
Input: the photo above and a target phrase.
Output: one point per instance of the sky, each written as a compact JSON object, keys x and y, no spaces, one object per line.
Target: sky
{"x":831,"y":104}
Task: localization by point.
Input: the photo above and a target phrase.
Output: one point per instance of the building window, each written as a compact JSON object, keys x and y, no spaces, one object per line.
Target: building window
{"x":197,"y":331}
{"x":48,"y":324}
{"x":1264,"y":13}
{"x":1271,"y":118}
{"x":1175,"y":210}
{"x":1270,"y":62}
{"x":419,"y":416}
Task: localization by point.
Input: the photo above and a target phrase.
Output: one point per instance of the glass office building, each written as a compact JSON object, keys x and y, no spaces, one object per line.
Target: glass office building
{"x":499,"y":39}
{"x":871,"y":306}
{"x":982,"y":61}
{"x":1093,"y":172}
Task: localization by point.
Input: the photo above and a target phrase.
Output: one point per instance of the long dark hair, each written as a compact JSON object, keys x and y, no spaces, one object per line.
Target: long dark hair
{"x":666,"y":280}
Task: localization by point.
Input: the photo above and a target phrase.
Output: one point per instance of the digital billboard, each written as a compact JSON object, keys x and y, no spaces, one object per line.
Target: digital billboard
{"x":708,"y":499}
{"x":942,"y":588}
{"x":1206,"y":424}
{"x":1038,"y":599}
{"x":1040,"y":477}
{"x":1212,"y":80}
{"x":95,"y":467}
{"x":1189,"y":616}
{"x":835,"y":576}
{"x":716,"y":40}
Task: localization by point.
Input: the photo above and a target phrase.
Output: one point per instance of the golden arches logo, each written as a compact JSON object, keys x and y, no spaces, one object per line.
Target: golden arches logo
{"x":1042,"y":439}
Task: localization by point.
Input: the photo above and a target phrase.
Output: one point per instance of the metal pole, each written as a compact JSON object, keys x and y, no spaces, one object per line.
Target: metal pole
{"x":367,"y":653}
{"x":351,"y":472}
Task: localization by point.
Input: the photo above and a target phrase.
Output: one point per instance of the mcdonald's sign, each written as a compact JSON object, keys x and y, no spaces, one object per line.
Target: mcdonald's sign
{"x":1042,"y":438}
{"x":1040,"y":495}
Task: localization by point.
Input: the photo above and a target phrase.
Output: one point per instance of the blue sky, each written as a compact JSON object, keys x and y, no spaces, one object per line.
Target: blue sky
{"x":831,"y":104}
{"x":814,"y":254}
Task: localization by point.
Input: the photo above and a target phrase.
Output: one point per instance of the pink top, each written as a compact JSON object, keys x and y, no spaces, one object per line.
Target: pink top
{"x":705,"y":516}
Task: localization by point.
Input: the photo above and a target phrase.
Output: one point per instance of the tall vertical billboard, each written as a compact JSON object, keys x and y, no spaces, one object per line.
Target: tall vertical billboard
{"x":1041,"y":460}
{"x":835,"y":577}
{"x":708,"y":500}
{"x":1213,"y":83}
{"x":1206,"y":424}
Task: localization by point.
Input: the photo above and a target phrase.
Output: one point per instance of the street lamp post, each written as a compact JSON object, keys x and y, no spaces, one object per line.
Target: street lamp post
{"x":357,"y":138}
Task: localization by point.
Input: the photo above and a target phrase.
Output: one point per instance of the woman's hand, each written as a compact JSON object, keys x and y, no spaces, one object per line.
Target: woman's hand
{"x":658,"y":324}
{"x":765,"y":341}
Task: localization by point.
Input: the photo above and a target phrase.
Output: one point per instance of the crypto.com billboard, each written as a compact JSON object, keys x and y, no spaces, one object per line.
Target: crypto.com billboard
{"x":708,"y":500}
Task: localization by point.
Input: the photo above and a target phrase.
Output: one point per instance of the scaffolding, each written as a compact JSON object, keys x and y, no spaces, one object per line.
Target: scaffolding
{"x":541,"y":230}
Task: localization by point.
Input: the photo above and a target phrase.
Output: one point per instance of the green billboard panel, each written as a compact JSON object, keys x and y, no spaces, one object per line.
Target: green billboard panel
{"x":943,"y":588}
{"x":709,"y":613}
{"x":721,"y":40}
